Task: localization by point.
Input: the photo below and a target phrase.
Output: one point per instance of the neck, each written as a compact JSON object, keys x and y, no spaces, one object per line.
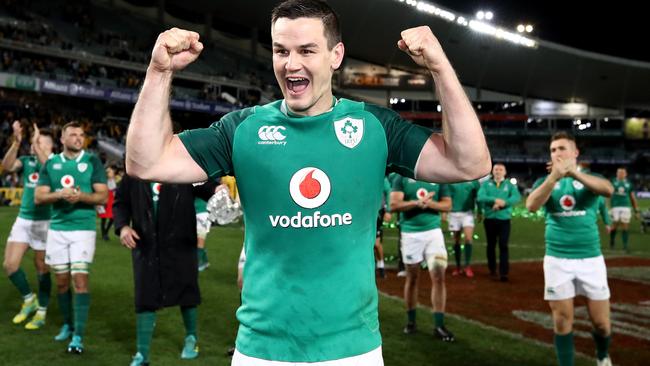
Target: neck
{"x":499,"y":180}
{"x":71,"y":154}
{"x":323,"y":105}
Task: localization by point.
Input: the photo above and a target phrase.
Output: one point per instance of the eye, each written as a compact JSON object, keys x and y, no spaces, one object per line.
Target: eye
{"x":305,"y":51}
{"x":281,"y":52}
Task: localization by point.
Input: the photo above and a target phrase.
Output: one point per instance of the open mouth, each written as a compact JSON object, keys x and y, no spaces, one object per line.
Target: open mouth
{"x":297,"y":85}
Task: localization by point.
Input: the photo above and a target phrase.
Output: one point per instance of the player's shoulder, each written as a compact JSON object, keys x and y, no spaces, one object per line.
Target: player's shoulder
{"x":234,"y":118}
{"x":539,"y":181}
{"x":381,"y":113}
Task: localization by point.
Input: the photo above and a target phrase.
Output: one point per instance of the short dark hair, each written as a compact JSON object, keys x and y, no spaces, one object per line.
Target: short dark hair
{"x":320,"y":9}
{"x":71,"y":124}
{"x":563,"y":135}
{"x":45,"y":132}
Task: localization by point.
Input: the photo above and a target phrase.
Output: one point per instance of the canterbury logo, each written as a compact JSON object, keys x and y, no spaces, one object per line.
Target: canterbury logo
{"x":271,"y":135}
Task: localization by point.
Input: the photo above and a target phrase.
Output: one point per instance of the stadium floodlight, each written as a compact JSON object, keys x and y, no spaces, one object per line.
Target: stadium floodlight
{"x":489,"y":15}
{"x":439,"y":108}
{"x":521,"y":28}
{"x":513,"y":181}
{"x":480,"y":15}
{"x":529,"y":28}
{"x":403,"y":100}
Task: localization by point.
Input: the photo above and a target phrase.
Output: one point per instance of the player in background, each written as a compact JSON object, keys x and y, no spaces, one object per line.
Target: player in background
{"x":622,"y":202}
{"x":461,"y":222}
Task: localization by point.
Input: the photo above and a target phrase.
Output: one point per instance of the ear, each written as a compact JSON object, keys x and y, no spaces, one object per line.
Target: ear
{"x":336,"y":55}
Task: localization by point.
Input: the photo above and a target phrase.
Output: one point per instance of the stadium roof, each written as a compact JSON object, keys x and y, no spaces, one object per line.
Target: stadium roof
{"x":549,"y":71}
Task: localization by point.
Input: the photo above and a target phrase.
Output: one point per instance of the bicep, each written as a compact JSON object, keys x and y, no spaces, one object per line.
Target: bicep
{"x":42,"y":190}
{"x":100,"y":188}
{"x":176,"y":165}
{"x":396,"y":197}
{"x":433,"y":164}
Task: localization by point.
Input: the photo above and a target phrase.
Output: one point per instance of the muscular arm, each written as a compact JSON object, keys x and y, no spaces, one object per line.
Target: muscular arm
{"x":43,"y":195}
{"x":152,"y":151}
{"x":10,"y":161}
{"x":460,"y":152}
{"x":635,"y":205}
{"x":598,"y":185}
{"x":443,"y":205}
{"x":98,"y":197}
{"x":541,"y":194}
{"x":397,"y":203}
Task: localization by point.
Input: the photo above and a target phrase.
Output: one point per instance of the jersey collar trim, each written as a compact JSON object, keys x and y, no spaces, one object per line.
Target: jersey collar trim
{"x":76,"y":160}
{"x":285,"y":110}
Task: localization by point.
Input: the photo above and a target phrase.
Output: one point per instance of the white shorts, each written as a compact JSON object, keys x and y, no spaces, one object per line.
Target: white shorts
{"x":372,"y":358}
{"x":65,"y":247}
{"x":459,"y":220}
{"x":621,"y":214}
{"x":566,"y":278}
{"x":33,"y":233}
{"x":202,"y":224}
{"x":419,"y":246}
{"x":242,"y":258}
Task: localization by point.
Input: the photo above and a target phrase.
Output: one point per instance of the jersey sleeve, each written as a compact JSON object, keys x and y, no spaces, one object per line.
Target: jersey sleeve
{"x":398,"y":185}
{"x":404,"y":139}
{"x":99,"y":173}
{"x":44,"y":175}
{"x":211,"y":148}
{"x":514,"y":196}
{"x":538,"y":182}
{"x":483,"y":196}
{"x":23,"y":160}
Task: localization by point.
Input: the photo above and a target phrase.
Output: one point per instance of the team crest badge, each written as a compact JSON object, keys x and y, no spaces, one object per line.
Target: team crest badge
{"x":82,"y":167}
{"x":349,"y":131}
{"x":578,"y":185}
{"x":421,"y":193}
{"x":67,"y":181}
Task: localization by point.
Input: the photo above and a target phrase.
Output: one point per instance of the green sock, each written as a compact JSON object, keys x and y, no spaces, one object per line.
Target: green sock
{"x":189,"y":320}
{"x":65,"y":306}
{"x":439,"y":319}
{"x":145,"y":323}
{"x":468,"y":253}
{"x":81,"y":306}
{"x":199,"y":254}
{"x":602,"y":344}
{"x":410,"y":314}
{"x":625,"y":235}
{"x":457,"y":254}
{"x":44,"y":289}
{"x":19,"y":280}
{"x":564,"y":349}
{"x":612,"y":238}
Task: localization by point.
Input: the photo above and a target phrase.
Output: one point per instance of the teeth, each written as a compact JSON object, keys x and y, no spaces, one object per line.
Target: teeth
{"x":295,"y":79}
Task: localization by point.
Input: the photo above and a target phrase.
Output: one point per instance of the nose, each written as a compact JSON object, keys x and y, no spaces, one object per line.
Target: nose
{"x":293,"y":64}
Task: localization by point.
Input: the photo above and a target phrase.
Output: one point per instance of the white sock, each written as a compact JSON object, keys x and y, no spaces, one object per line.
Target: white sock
{"x":380,"y":264}
{"x":29,"y":297}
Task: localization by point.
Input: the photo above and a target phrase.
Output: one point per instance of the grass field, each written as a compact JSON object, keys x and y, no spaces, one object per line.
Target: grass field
{"x":110,"y":337}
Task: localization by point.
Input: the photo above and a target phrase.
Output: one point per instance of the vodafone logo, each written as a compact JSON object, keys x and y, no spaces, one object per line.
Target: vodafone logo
{"x":33,"y":178}
{"x":421,"y":193}
{"x":271,"y":135}
{"x":67,"y":181}
{"x":156,"y":188}
{"x":567,"y":202}
{"x":310,"y":187}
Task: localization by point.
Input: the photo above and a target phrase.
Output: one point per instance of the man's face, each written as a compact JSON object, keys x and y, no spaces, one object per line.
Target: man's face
{"x":498,"y":171}
{"x":73,"y":139}
{"x":563,"y":149}
{"x":304,"y":64}
{"x":621,"y":174}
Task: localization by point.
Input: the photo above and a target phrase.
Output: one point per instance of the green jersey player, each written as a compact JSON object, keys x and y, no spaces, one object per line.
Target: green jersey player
{"x":461,"y":217}
{"x":573,"y":264}
{"x":622,"y":203}
{"x":309,"y":170}
{"x":420,"y":204}
{"x":74,"y":182}
{"x":30,"y":228}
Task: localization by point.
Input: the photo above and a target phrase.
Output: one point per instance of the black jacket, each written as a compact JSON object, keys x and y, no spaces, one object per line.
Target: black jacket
{"x":165,"y":258}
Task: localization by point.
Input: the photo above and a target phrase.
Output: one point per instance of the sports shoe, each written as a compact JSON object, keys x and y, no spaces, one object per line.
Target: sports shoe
{"x":410,"y":328}
{"x":457,"y":272}
{"x":64,"y":333}
{"x":37,"y":322}
{"x":138,"y":360}
{"x":203,"y":265}
{"x":190,"y":349}
{"x":444,"y":334}
{"x":230,"y":351}
{"x":401,"y":274}
{"x":29,"y":306}
{"x":75,"y":346}
{"x":604,"y":362}
{"x":468,"y":272}
{"x":382,"y":272}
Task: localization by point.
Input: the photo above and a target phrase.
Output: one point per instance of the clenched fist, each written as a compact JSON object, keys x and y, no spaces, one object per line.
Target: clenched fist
{"x":423,"y":47}
{"x":175,"y":49}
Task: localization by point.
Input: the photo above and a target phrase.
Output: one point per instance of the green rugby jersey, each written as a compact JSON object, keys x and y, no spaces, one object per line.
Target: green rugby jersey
{"x":621,"y":195}
{"x":490,"y":191}
{"x":417,"y":219}
{"x":30,"y":172}
{"x":310,"y":188}
{"x":603,"y":212}
{"x":463,"y":195}
{"x":571,"y":215}
{"x":60,"y":172}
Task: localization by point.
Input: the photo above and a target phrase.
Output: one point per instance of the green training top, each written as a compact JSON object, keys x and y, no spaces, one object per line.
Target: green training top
{"x":417,"y":219}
